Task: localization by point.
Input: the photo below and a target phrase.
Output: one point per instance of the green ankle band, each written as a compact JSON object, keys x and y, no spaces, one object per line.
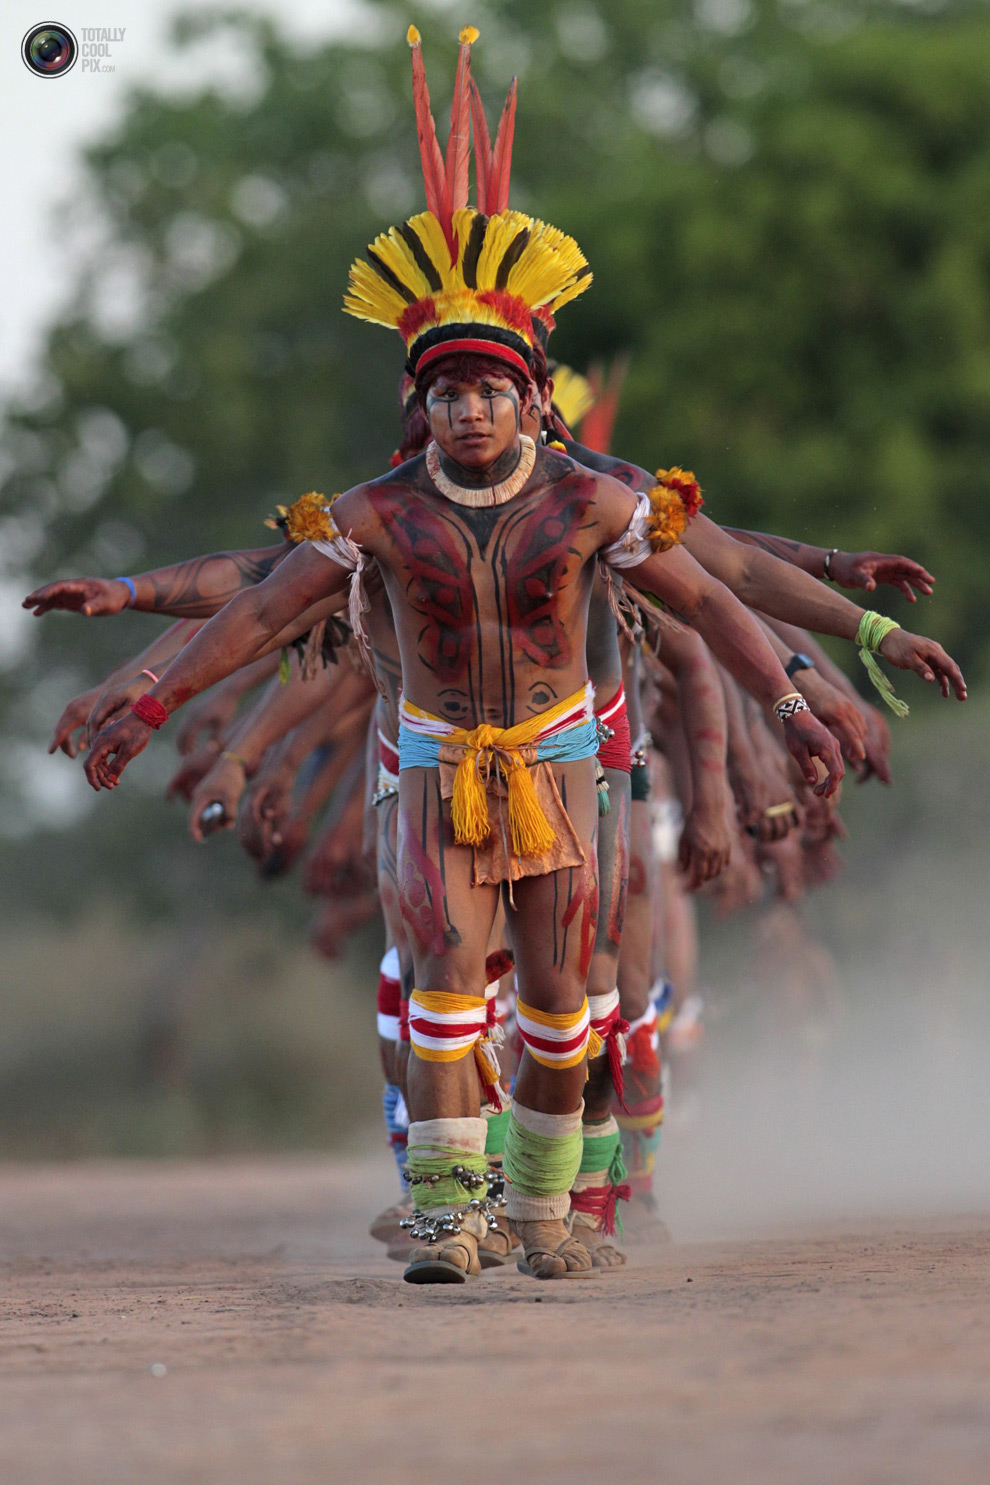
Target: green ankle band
{"x":439,"y":1188}
{"x":538,"y":1164}
{"x":497,"y":1126}
{"x":599,"y":1151}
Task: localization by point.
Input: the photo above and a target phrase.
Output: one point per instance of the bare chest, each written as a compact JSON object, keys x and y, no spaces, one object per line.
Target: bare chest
{"x":508,"y":575}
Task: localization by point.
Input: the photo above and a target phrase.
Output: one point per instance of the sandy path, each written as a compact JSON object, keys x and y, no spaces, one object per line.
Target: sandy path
{"x":292,"y":1353}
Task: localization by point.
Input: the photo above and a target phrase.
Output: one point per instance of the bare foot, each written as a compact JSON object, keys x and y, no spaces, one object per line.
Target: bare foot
{"x":551,"y":1253}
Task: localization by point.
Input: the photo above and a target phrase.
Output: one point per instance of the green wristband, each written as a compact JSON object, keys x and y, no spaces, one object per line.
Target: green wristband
{"x":873,"y":630}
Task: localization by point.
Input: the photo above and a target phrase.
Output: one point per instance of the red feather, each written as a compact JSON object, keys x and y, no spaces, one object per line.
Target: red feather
{"x":459,"y":139}
{"x":482,"y":148}
{"x":598,"y":423}
{"x":434,"y":171}
{"x":498,"y":185}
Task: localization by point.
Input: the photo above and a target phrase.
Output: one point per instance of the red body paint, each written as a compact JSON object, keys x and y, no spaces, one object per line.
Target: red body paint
{"x":537,"y":567}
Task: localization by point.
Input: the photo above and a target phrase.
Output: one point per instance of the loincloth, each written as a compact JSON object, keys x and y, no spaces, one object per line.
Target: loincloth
{"x":615,"y":750}
{"x":492,"y":807}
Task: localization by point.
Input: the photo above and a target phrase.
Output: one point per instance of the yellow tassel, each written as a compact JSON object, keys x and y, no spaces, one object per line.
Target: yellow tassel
{"x":532,"y":833}
{"x":469,"y":35}
{"x":413,"y":37}
{"x":469,"y":804}
{"x":487,"y":1062}
{"x":595,"y":1044}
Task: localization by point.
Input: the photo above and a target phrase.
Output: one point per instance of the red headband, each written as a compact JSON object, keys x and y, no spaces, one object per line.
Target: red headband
{"x":477,"y":348}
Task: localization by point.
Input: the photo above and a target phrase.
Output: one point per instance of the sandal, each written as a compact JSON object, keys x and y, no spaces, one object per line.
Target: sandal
{"x":548,"y":1249}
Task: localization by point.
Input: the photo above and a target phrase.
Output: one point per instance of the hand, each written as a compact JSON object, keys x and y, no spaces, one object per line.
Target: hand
{"x":877,"y":746}
{"x":91,"y":597}
{"x":223,"y":783}
{"x":705,"y":845}
{"x":841,"y":715}
{"x":785,"y":859}
{"x":925,"y":656}
{"x":822,"y":822}
{"x":338,"y":919}
{"x":191,"y":772}
{"x":806,"y":739}
{"x":206,"y":719}
{"x":748,"y":789}
{"x":867,"y":569}
{"x":73,"y":719}
{"x":121,"y":741}
{"x":114,"y":701}
{"x":268,"y":810}
{"x":741,"y":884}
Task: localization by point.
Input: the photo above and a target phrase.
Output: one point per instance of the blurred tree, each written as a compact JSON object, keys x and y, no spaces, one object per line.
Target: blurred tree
{"x":785,"y":205}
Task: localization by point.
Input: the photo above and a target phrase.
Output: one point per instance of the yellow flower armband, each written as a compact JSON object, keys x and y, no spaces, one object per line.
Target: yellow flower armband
{"x":307,"y":519}
{"x":873,"y":630}
{"x":674,"y":500}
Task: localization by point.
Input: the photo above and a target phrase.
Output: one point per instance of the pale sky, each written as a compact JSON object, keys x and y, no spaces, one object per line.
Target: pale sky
{"x":44,"y":121}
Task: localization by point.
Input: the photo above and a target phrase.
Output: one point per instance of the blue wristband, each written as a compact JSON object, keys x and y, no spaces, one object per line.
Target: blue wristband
{"x":130,"y":588}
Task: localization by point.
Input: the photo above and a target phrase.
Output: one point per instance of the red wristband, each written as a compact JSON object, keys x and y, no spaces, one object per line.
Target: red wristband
{"x":150,"y":711}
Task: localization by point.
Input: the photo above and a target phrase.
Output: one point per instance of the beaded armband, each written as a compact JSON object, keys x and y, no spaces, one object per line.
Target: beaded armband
{"x":789,"y":706}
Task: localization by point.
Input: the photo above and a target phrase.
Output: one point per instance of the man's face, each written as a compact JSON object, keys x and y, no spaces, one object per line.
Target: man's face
{"x":532,"y":422}
{"x":475,"y":422}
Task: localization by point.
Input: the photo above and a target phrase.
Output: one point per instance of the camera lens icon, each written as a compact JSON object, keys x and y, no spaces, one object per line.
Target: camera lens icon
{"x":49,"y":50}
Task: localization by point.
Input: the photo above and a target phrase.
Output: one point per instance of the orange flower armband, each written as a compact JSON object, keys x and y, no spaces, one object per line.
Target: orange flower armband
{"x":674,"y":500}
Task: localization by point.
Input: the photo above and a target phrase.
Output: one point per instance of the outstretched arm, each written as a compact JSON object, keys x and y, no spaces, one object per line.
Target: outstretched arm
{"x":848,"y":569}
{"x":784,"y":591}
{"x":706,"y":841}
{"x":253,"y":623}
{"x":736,"y":640}
{"x":195,"y":589}
{"x":81,"y":711}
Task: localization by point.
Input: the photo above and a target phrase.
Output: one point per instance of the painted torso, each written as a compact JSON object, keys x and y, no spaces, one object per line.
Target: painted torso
{"x":490,"y":605}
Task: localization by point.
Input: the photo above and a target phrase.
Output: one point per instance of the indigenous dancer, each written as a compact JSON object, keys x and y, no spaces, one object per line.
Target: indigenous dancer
{"x":487,"y":546}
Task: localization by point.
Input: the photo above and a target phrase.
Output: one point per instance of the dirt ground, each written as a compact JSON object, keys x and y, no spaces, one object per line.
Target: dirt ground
{"x":189,"y":1323}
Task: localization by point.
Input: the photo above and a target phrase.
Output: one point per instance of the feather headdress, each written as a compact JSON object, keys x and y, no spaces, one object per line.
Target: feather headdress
{"x":453,"y":278}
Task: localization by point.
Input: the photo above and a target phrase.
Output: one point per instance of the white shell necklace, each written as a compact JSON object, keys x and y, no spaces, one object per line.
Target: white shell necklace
{"x":487,"y":494}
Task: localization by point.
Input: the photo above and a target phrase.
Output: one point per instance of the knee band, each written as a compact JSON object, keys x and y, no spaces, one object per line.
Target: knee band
{"x":557,"y":1041}
{"x":662,"y":996}
{"x":640,"y":1129}
{"x":445,"y":1028}
{"x":396,"y":1124}
{"x":389,"y":997}
{"x":608,"y":1023}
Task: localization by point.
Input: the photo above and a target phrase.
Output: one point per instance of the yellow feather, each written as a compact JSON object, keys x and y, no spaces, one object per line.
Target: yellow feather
{"x":469,"y":35}
{"x":430,"y":234}
{"x":413,"y":37}
{"x":498,"y":238}
{"x":571,"y":293}
{"x":369,"y":298}
{"x":573,"y":395}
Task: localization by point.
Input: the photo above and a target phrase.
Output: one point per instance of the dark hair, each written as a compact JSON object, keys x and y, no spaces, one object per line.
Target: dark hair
{"x":464,"y":366}
{"x":541,"y":369}
{"x":415,"y":432}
